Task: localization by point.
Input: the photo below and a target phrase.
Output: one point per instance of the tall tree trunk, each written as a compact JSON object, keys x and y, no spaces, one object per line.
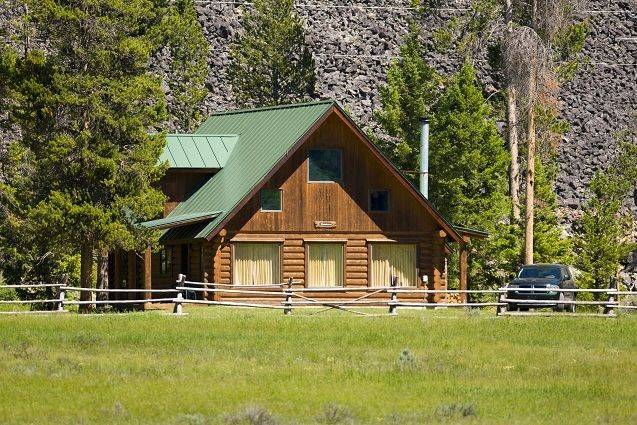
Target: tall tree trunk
{"x":514,"y":171}
{"x":530,"y":187}
{"x":529,"y":213}
{"x":102,"y":276}
{"x":86,"y":272}
{"x":512,"y":127}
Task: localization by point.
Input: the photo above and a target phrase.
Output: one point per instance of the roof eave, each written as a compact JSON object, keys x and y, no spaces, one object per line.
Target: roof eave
{"x":475,"y":233}
{"x":167,"y":223}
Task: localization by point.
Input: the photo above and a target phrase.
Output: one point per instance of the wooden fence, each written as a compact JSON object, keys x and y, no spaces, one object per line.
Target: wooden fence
{"x":288,"y":297}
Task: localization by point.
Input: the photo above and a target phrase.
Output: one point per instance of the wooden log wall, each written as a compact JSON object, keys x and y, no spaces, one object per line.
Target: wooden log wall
{"x":357,"y":261}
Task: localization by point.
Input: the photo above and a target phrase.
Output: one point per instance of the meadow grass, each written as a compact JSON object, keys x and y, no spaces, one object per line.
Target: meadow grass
{"x":220,"y":365}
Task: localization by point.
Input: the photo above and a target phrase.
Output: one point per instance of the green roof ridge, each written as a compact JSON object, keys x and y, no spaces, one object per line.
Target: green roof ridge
{"x":202,"y":135}
{"x":273,"y":107}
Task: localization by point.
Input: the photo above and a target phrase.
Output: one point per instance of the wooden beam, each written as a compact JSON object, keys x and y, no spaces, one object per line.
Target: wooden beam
{"x":148,"y":255}
{"x":463,"y":271}
{"x":132,"y":272}
{"x":117,"y":272}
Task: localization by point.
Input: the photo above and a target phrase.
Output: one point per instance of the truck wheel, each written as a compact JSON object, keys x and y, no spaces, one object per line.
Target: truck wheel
{"x":571,"y":307}
{"x":512,"y":307}
{"x":560,"y":307}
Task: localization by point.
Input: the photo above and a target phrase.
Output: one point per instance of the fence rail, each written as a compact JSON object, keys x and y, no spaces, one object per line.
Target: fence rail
{"x":289,"y":296}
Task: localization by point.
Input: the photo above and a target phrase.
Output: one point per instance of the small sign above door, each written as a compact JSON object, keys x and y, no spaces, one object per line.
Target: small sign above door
{"x":324,"y":224}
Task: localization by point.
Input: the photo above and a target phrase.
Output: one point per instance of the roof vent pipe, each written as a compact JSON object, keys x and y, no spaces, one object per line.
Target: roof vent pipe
{"x":424,"y":157}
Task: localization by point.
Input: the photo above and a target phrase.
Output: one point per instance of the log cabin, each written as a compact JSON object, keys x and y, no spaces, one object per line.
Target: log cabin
{"x":259,"y":196}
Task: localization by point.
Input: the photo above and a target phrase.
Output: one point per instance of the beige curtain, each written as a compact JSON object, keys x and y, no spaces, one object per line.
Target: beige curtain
{"x":390,"y":259}
{"x":257,"y":263}
{"x":325,"y":264}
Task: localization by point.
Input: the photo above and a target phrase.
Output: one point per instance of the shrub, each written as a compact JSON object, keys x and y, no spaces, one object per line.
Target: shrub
{"x":406,"y":361}
{"x":334,"y":414}
{"x":455,"y":411}
{"x":252,"y":416}
{"x":8,"y":294}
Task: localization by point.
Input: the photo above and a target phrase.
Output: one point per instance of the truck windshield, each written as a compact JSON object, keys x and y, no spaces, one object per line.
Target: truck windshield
{"x":540,"y":272}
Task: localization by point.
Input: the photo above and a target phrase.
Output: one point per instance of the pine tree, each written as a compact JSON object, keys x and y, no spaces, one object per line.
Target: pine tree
{"x":469,"y":172}
{"x":468,"y":160}
{"x":85,"y":112}
{"x":550,"y":244}
{"x":411,"y":89}
{"x":604,"y":230}
{"x":271,"y":60}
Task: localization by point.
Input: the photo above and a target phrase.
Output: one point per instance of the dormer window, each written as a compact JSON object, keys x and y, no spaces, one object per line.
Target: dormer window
{"x":325,"y":166}
{"x":271,"y":200}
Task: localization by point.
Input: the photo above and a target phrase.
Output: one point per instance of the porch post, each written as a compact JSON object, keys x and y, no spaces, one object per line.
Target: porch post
{"x":132,"y":273}
{"x":117,"y":272}
{"x":462,"y":269}
{"x":148,"y":255}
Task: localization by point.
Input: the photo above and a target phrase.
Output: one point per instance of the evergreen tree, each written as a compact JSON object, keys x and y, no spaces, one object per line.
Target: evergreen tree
{"x":551,"y":245}
{"x":411,"y":89}
{"x":271,"y":61}
{"x":604,"y":229}
{"x":469,"y":172}
{"x":468,"y":161}
{"x":85,"y":111}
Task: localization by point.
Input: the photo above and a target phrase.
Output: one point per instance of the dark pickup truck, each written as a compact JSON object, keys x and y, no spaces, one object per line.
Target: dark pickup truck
{"x":541,"y":276}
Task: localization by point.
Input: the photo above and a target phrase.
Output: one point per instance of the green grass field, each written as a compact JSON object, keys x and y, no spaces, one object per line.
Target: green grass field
{"x":218,"y":365}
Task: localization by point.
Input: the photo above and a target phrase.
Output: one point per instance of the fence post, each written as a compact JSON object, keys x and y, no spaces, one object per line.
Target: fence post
{"x":62,"y":293}
{"x":501,"y":297}
{"x":288,"y":298}
{"x":178,"y":307}
{"x":61,"y":296}
{"x":393,"y":298}
{"x":609,"y":310}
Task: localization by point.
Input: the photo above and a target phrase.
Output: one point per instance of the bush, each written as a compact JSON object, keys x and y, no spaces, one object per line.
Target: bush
{"x":252,"y":416}
{"x":455,"y":411}
{"x":8,"y":294}
{"x":406,"y":361}
{"x":334,"y":414}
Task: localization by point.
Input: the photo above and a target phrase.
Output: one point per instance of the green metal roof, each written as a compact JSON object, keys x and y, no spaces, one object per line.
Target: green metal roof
{"x":180,"y":220}
{"x":265,"y":137}
{"x":198,"y":150}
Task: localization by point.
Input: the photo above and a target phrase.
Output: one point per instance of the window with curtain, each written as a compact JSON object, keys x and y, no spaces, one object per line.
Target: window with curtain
{"x":391,"y":259}
{"x":324,"y":264}
{"x":257,"y":263}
